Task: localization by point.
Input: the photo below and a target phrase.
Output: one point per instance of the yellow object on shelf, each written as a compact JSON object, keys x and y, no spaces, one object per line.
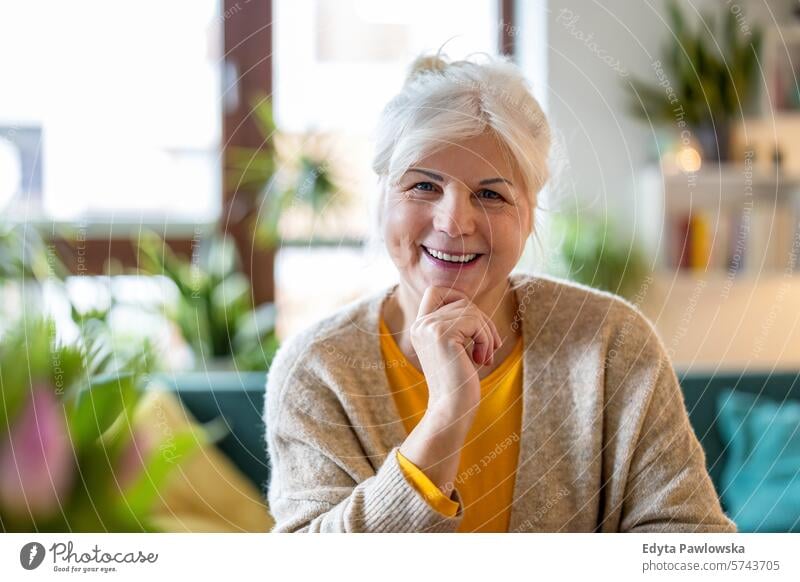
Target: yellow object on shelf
{"x":700,"y":238}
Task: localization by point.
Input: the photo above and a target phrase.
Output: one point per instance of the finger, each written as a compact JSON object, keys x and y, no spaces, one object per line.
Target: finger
{"x":483,"y":340}
{"x":477,"y":328}
{"x":434,"y":297}
{"x":429,"y":303}
{"x":495,"y":340}
{"x":488,"y":322}
{"x":491,"y":332}
{"x":492,"y":328}
{"x":498,"y":339}
{"x":462,"y":310}
{"x":479,"y":354}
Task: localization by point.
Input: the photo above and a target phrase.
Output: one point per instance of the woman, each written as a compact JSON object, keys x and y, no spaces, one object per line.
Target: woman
{"x":467,"y":398}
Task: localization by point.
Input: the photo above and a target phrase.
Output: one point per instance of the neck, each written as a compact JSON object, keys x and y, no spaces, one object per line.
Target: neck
{"x":499,"y":303}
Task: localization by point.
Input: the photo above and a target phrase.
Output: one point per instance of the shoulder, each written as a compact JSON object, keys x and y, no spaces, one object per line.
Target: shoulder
{"x":560,"y":308}
{"x":324,"y":351}
{"x":564,"y":300}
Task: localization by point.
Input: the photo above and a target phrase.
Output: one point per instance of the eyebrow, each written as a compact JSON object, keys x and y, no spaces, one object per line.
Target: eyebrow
{"x":438,"y":178}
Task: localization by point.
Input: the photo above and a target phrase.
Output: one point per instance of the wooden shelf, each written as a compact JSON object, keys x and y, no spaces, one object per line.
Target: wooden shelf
{"x":716,"y":277}
{"x":708,"y":320}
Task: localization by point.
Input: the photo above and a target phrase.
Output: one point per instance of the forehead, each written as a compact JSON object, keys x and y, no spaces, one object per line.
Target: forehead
{"x":477,"y":158}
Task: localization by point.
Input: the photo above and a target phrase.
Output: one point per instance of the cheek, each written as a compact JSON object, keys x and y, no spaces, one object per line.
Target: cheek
{"x":401,"y":227}
{"x":508,"y":231}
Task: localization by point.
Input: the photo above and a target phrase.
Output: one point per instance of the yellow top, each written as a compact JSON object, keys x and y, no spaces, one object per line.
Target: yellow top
{"x":489,"y":457}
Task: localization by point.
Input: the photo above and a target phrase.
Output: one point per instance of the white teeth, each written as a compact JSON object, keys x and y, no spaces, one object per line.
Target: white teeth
{"x":451,"y":258}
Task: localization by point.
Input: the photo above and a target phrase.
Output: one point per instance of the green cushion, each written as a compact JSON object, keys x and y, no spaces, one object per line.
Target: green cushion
{"x":760,"y":482}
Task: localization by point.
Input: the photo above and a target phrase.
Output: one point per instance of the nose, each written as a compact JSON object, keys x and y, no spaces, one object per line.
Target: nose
{"x":454,"y":213}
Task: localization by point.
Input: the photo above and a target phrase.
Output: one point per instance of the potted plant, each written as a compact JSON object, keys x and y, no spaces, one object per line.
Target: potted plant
{"x":234,"y":342}
{"x":214,"y":309}
{"x":705,"y":81}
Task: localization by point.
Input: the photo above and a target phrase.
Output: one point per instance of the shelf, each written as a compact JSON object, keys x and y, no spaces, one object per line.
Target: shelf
{"x":712,"y":322}
{"x":728,"y":175}
{"x":720,"y":220}
{"x":715,"y":277}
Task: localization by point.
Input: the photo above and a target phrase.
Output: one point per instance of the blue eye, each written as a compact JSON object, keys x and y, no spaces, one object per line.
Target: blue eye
{"x":491,"y":195}
{"x":424,"y":186}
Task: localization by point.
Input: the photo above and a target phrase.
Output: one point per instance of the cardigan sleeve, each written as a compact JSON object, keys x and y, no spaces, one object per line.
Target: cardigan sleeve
{"x":321,"y":480}
{"x":427,"y":488}
{"x":667,"y":488}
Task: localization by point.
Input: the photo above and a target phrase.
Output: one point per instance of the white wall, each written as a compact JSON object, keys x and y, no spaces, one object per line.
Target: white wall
{"x":593,"y":48}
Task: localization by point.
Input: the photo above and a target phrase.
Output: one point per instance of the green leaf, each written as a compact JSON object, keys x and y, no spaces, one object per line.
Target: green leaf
{"x":710,"y":81}
{"x":31,"y":354}
{"x":591,"y":254}
{"x":250,"y":168}
{"x":262,"y":108}
{"x":648,"y":102}
{"x":676,"y":21}
{"x":95,"y":408}
{"x":142,"y":494}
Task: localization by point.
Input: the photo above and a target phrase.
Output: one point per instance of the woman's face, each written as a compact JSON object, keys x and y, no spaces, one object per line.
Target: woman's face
{"x":466,"y":200}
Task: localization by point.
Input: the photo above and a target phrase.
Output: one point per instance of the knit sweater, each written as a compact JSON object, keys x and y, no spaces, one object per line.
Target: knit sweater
{"x":605,"y":445}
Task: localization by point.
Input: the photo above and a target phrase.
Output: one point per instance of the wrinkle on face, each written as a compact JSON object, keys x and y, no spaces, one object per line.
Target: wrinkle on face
{"x":415,"y":217}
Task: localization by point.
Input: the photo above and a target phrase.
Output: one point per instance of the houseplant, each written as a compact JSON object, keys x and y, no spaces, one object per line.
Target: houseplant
{"x":591,"y":251}
{"x":26,"y":263}
{"x":71,"y":458}
{"x":214,"y":309}
{"x":24,"y":255}
{"x":705,"y":81}
{"x":281,"y":181}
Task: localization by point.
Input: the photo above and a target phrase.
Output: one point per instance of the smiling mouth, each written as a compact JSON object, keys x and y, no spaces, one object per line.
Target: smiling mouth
{"x":452,"y":258}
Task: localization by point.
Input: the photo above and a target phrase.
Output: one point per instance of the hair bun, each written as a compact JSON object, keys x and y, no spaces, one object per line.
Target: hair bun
{"x":425,"y":64}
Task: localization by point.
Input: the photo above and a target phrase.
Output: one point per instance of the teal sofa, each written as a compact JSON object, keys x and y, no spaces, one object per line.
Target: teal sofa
{"x":701,"y":391}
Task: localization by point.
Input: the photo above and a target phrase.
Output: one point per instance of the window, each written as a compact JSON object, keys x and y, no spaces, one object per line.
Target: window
{"x":337,"y":62}
{"x":111,"y":114}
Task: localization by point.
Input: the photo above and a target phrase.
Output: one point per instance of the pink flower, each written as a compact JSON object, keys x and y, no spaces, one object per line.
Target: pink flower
{"x":36,"y":459}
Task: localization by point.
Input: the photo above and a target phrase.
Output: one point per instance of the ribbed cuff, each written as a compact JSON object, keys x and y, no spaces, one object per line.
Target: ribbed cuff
{"x":442,"y":503}
{"x":394,"y":505}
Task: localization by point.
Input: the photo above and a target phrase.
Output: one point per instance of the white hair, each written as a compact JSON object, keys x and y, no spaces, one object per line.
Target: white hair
{"x":442,"y":103}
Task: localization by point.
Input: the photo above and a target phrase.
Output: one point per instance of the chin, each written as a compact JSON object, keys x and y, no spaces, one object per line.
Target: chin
{"x":463,"y":284}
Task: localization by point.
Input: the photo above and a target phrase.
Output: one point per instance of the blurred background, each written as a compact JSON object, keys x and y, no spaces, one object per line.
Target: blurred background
{"x":184,"y":184}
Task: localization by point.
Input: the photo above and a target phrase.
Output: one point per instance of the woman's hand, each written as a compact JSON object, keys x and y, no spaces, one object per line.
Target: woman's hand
{"x":453,"y":338}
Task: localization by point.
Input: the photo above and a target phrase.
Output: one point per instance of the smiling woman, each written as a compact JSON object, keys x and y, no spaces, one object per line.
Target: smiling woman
{"x":464,"y":228}
{"x":466,"y":398}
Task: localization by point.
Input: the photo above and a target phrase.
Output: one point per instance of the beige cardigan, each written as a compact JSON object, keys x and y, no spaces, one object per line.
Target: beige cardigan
{"x":606,"y":443}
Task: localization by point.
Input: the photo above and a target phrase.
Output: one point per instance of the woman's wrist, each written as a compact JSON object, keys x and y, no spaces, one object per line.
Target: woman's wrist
{"x":435,"y":445}
{"x":447,"y":415}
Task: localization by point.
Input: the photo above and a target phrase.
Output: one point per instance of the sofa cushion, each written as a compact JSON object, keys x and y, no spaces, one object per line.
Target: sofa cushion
{"x":760,"y":481}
